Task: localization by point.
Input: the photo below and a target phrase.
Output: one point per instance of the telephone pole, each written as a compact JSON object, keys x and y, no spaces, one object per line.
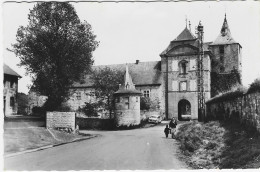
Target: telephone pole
{"x":200,"y":74}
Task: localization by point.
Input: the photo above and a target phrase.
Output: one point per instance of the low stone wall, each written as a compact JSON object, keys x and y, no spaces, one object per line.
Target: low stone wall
{"x":95,"y":123}
{"x":243,"y":108}
{"x":61,"y":120}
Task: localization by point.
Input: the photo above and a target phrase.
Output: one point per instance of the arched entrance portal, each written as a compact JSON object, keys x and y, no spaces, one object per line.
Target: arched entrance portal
{"x":184,"y":110}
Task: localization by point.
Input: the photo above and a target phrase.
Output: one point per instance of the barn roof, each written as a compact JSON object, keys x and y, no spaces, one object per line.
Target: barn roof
{"x":142,"y":73}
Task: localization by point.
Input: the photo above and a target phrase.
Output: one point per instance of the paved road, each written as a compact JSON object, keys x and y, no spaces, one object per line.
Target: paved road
{"x":139,"y":149}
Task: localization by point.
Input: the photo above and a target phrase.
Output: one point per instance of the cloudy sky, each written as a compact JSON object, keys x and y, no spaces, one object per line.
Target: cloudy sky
{"x":131,"y":31}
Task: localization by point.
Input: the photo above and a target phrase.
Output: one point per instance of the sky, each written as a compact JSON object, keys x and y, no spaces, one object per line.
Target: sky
{"x":130,"y":31}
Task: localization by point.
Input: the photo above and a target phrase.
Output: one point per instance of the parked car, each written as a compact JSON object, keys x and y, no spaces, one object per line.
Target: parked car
{"x":155,"y":119}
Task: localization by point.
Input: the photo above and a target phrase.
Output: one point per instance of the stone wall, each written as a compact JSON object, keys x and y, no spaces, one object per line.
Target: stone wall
{"x":231,"y":58}
{"x":244,"y":108}
{"x":61,"y":120}
{"x":95,"y":123}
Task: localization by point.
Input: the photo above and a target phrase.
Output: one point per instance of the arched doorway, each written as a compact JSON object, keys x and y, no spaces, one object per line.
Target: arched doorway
{"x":184,"y":110}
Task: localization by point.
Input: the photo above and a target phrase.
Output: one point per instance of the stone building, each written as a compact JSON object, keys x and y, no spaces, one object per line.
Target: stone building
{"x":181,"y":56}
{"x":127,"y":104}
{"x":178,"y":62}
{"x":10,"y":91}
{"x":146,"y":76}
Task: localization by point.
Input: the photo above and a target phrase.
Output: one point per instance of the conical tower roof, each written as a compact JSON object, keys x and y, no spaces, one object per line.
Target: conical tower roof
{"x":128,"y":86}
{"x":225,"y":36}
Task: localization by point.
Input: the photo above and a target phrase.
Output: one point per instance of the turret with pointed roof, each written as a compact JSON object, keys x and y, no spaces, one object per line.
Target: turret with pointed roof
{"x":227,"y":51}
{"x":128,"y":86}
{"x":224,"y":36}
{"x":127,"y":104}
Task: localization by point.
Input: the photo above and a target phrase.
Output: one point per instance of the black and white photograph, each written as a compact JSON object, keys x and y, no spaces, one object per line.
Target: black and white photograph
{"x":130,"y":85}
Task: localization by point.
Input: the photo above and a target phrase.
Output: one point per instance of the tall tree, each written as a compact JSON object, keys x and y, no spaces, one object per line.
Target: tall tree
{"x":106,"y":82}
{"x":56,"y":49}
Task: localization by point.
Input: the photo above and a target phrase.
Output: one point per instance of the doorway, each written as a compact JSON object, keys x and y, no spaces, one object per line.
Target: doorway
{"x":184,"y":110}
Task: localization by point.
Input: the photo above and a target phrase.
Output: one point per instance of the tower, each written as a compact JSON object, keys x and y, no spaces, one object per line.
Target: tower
{"x":180,"y":68}
{"x":226,"y":51}
{"x":226,"y":61}
{"x":127,"y":103}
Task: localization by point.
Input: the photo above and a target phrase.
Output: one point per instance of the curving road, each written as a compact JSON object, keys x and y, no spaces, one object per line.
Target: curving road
{"x":139,"y":149}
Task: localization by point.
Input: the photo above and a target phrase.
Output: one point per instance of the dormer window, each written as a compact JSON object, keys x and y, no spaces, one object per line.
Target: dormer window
{"x":183,"y":67}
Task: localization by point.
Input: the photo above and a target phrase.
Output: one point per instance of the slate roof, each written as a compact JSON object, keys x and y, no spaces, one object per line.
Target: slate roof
{"x":206,"y":46}
{"x":185,"y":35}
{"x":9,"y":71}
{"x":225,"y":36}
{"x":143,"y":73}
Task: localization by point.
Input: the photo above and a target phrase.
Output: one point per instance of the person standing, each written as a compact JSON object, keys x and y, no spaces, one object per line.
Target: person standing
{"x":167,"y":130}
{"x":173,"y":124}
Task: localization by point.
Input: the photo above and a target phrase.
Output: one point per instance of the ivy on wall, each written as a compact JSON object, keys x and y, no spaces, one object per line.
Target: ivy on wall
{"x":224,"y":82}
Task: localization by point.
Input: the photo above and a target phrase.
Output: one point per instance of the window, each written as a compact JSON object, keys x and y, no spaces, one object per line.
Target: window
{"x":78,"y":95}
{"x":221,"y":49}
{"x":183,"y":67}
{"x":126,"y":102}
{"x":174,"y":85}
{"x":12,"y":84}
{"x":175,"y":65}
{"x":12,"y":101}
{"x":183,"y":86}
{"x":193,"y":85}
{"x":146,"y":93}
{"x":193,"y":64}
{"x":136,"y":99}
{"x":118,"y":99}
{"x":221,"y":59}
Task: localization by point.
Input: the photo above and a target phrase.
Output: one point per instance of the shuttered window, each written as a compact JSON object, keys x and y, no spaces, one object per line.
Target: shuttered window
{"x":175,"y":65}
{"x":183,"y":86}
{"x":174,"y":85}
{"x":193,"y":85}
{"x":193,"y":64}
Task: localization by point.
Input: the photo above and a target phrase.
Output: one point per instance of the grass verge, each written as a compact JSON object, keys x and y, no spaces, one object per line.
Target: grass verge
{"x":17,"y":140}
{"x":218,"y":145}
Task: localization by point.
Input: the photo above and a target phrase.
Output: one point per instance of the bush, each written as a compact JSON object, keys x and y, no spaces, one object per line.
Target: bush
{"x":148,"y":104}
{"x":255,"y":86}
{"x":145,"y":103}
{"x":39,"y":111}
{"x":90,"y":109}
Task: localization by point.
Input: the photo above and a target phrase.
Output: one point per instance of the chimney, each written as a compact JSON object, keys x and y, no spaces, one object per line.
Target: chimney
{"x":137,"y":61}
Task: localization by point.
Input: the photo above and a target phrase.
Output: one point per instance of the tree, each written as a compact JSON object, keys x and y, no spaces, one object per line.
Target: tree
{"x":106,"y":82}
{"x":56,"y":49}
{"x":22,"y":101}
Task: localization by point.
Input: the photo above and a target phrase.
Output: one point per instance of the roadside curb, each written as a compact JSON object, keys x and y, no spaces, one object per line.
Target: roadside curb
{"x":47,"y":147}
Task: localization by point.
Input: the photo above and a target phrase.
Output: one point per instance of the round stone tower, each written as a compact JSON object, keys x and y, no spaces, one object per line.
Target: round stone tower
{"x":127,"y":103}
